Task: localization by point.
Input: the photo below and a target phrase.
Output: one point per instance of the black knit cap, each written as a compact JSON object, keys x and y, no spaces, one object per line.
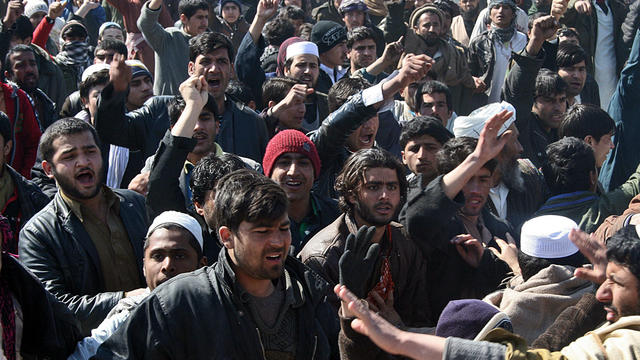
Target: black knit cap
{"x":327,"y":34}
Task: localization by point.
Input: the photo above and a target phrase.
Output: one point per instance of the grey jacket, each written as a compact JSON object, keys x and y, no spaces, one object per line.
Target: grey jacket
{"x":55,"y":246}
{"x":171,"y":46}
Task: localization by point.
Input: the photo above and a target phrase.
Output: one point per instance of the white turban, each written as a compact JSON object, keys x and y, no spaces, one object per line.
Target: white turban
{"x":472,"y":125}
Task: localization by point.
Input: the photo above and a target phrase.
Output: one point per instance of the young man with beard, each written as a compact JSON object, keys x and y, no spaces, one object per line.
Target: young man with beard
{"x":539,"y":96}
{"x":353,"y":124}
{"x":420,"y":140}
{"x":450,"y":224}
{"x":490,"y":52}
{"x":462,"y":25}
{"x":572,"y":178}
{"x":21,"y":68}
{"x":86,"y":244}
{"x":297,"y":59}
{"x":372,"y":189}
{"x":518,"y":188}
{"x":361,"y":47}
{"x":572,"y":68}
{"x":433,"y":98}
{"x":173,"y":246}
{"x":616,"y":270}
{"x":292,"y":161}
{"x":258,"y":302}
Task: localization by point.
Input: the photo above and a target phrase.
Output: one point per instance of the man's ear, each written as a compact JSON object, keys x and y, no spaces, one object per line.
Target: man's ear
{"x":590,"y":140}
{"x":271,"y":103}
{"x":191,"y":68}
{"x":224,"y":233}
{"x":7,"y":75}
{"x":7,"y":148}
{"x":46,"y":167}
{"x":199,"y":208}
{"x":183,"y":18}
{"x":404,"y":159}
{"x":203,"y":262}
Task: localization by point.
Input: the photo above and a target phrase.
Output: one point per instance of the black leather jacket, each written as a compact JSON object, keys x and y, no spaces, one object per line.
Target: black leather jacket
{"x":30,"y":197}
{"x":201,"y":315}
{"x":58,"y":250}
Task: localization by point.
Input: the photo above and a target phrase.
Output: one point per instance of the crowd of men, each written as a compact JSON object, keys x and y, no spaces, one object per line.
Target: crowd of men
{"x":297,"y":179}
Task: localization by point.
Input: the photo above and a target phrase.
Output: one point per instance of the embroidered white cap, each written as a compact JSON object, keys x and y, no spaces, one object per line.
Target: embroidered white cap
{"x":472,"y":125}
{"x":300,"y":48}
{"x":93,"y":69}
{"x":183,"y":220}
{"x":547,"y":237}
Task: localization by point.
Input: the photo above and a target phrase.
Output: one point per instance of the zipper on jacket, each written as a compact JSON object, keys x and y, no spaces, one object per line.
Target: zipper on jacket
{"x":315,"y":347}
{"x":264,"y":354}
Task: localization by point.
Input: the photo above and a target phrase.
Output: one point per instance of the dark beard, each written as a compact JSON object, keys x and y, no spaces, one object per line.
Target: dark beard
{"x":469,"y":19}
{"x":71,"y":191}
{"x":367,"y":215}
{"x":512,"y":176}
{"x":431,"y":42}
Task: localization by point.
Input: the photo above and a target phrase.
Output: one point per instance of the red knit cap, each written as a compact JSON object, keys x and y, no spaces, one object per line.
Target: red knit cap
{"x":292,"y":141}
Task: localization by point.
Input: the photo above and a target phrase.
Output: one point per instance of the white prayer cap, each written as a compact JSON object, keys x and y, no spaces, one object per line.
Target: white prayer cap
{"x":472,"y":125}
{"x":300,"y":48}
{"x":547,"y":237}
{"x":93,"y":69}
{"x":180,"y":219}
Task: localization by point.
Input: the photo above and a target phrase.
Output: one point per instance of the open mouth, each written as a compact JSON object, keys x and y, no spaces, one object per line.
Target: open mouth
{"x":366,"y":139}
{"x":85,"y":177}
{"x":213,"y":83}
{"x":277,"y":258}
{"x":293,"y":184}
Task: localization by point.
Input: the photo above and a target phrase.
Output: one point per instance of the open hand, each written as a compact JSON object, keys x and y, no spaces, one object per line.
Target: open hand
{"x":266,"y":9}
{"x":489,"y":145}
{"x":595,"y":251}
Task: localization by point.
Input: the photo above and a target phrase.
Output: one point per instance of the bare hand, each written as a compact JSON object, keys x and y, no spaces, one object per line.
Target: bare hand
{"x":480,"y":85}
{"x":140,"y":184}
{"x":414,"y":68}
{"x":91,"y":4}
{"x":55,"y":9}
{"x":393,"y":51}
{"x":384,"y":308}
{"x":489,"y":145}
{"x":266,"y":9}
{"x":508,"y":253}
{"x":595,"y":251}
{"x":379,"y":330}
{"x":469,"y":248}
{"x":558,"y":8}
{"x":296,"y":95}
{"x":119,"y":73}
{"x":583,"y":6}
{"x":544,"y":27}
{"x":194,"y":91}
{"x":135,"y":292}
{"x":15,"y":8}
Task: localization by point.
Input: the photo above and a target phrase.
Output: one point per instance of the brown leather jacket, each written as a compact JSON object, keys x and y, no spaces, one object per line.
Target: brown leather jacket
{"x":408,"y":267}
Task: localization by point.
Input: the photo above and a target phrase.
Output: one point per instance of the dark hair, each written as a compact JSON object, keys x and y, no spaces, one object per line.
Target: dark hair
{"x":64,"y":127}
{"x":14,"y":50}
{"x":530,"y":265}
{"x":352,"y":174}
{"x":245,"y":195}
{"x":291,"y":12}
{"x":5,"y":128}
{"x":276,"y":89}
{"x":533,"y":17}
{"x":193,"y":242}
{"x":430,"y":87}
{"x":23,"y":28}
{"x":584,"y":119}
{"x":111,"y":44}
{"x":623,"y":248}
{"x":424,"y":125}
{"x":305,"y":31}
{"x":454,"y":151}
{"x":549,"y":84}
{"x":177,"y":104}
{"x":209,"y":170}
{"x":190,"y":7}
{"x":448,"y":6}
{"x":569,"y":164}
{"x":340,"y":92}
{"x":208,"y":42}
{"x":240,"y":92}
{"x":570,"y":54}
{"x":358,"y":34}
{"x":278,"y":30}
{"x":97,"y":78}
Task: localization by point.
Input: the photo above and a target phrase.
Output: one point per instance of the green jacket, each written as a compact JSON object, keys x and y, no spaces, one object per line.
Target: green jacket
{"x":588,"y":209}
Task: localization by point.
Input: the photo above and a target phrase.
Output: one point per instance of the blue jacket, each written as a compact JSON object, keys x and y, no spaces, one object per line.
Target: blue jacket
{"x":624,"y":109}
